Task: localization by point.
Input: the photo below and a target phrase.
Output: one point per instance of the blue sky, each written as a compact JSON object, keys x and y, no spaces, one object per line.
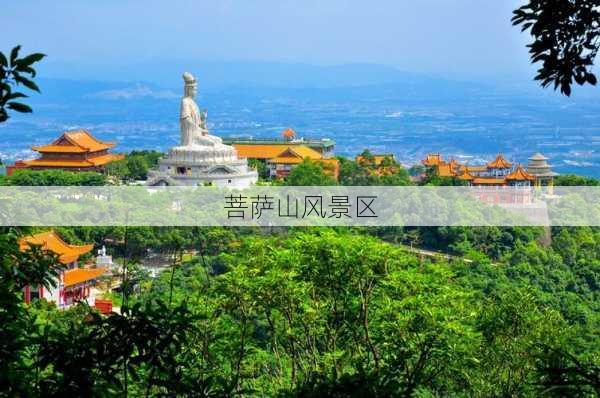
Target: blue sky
{"x":467,"y":39}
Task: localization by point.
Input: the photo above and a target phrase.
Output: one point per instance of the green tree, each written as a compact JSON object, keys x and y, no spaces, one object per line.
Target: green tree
{"x":308,"y":173}
{"x":54,"y":178}
{"x":15,"y":71}
{"x":565,"y":40}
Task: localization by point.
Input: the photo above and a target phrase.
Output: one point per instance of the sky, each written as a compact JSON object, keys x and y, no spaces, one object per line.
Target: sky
{"x":467,"y":39}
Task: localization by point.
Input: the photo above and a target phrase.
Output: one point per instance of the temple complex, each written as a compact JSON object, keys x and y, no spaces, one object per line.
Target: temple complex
{"x":281,"y":156}
{"x":255,"y":148}
{"x":493,"y":177}
{"x":74,"y":150}
{"x":73,"y":283}
{"x":200,"y":158}
{"x":498,"y":172}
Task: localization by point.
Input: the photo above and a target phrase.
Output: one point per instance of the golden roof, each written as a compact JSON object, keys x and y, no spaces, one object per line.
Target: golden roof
{"x":499,"y":163}
{"x":260,"y":151}
{"x":50,"y":241}
{"x":432,"y":159}
{"x":466,"y":176}
{"x":520,"y":175}
{"x":76,"y":141}
{"x":488,"y":181}
{"x":476,"y":169}
{"x":80,"y":275}
{"x":295,"y":155}
{"x":75,"y":163}
{"x":446,"y":170}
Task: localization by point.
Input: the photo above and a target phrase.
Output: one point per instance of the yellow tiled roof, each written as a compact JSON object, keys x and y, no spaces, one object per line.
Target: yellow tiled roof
{"x":466,"y":176}
{"x":488,"y":181}
{"x":79,"y":275}
{"x":499,"y":163}
{"x":52,"y":242}
{"x":91,"y":162}
{"x":432,"y":159}
{"x":305,"y":152}
{"x":76,"y":141}
{"x":520,"y":175}
{"x":286,"y":160}
{"x":446,"y":170}
{"x":295,"y":154}
{"x":258,"y":151}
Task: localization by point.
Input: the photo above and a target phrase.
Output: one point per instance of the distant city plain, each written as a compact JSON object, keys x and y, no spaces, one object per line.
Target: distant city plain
{"x":471,"y":122}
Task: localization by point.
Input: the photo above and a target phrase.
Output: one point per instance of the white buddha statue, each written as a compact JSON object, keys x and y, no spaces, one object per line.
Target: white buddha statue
{"x":192,"y":121}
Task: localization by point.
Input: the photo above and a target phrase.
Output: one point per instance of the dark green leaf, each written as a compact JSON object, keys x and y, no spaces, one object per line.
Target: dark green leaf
{"x":26,"y":69}
{"x":27,"y":83}
{"x":3,"y":60}
{"x":14,"y":54}
{"x":30,"y":59}
{"x":16,"y":95}
{"x":16,"y":106}
{"x":591,"y":79}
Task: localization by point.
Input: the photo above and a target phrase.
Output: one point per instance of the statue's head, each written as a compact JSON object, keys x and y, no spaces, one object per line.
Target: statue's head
{"x":191,"y":86}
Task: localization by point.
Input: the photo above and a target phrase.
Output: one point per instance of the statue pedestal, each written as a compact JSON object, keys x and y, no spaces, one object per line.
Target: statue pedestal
{"x":196,"y":165}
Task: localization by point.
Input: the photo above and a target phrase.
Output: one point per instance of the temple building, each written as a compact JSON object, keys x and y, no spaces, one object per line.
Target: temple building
{"x":73,"y":283}
{"x":283,"y":162}
{"x":74,"y":150}
{"x":281,"y":156}
{"x":254,"y":148}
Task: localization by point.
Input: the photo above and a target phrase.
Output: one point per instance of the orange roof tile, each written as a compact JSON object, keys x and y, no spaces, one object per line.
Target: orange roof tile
{"x":59,"y":149}
{"x":476,"y":169}
{"x":499,"y":163}
{"x":52,"y":242}
{"x":259,"y":151}
{"x":80,"y":275}
{"x":445,"y":170}
{"x":90,"y":162}
{"x":286,"y":160}
{"x":466,"y":176}
{"x":74,"y":141}
{"x":488,"y":181}
{"x":295,"y":154}
{"x":520,"y":175}
{"x":105,"y":159}
{"x":432,"y":160}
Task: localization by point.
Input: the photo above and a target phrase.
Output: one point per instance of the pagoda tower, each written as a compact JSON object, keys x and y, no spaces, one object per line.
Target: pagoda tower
{"x":539,"y":168}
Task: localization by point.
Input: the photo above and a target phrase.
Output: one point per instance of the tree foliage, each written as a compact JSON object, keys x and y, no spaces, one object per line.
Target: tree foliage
{"x":566,"y":38}
{"x":318,"y":313}
{"x":15,"y":71}
{"x":308,"y":173}
{"x":53,"y":178}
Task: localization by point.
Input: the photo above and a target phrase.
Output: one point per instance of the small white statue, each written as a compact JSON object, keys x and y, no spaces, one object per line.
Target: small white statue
{"x":192,"y":121}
